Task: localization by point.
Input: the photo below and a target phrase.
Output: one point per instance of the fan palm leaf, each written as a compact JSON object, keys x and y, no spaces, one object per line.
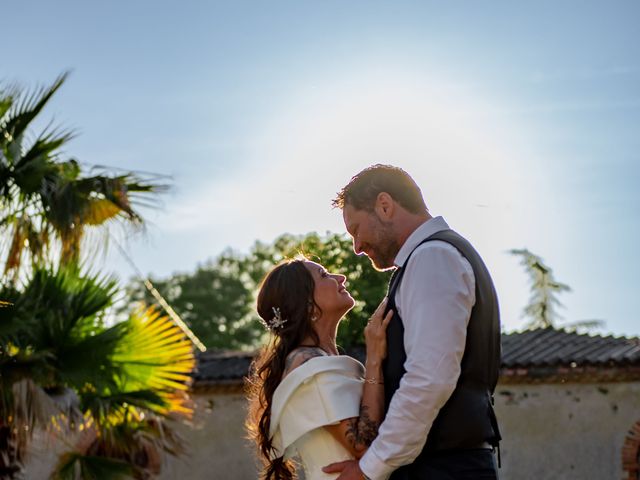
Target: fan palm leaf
{"x":121,"y":377}
{"x":136,"y":442}
{"x":18,"y":237}
{"x":21,"y":112}
{"x":74,"y":466}
{"x":48,"y":327}
{"x":74,"y":203}
{"x":35,"y":165}
{"x":155,"y":354}
{"x":59,"y":364}
{"x":6,"y":100}
{"x":58,"y":305}
{"x":99,"y":210}
{"x":34,"y":183}
{"x":110,"y":409}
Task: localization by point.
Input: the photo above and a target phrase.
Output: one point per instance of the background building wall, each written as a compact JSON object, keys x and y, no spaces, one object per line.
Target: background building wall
{"x":550,"y":431}
{"x":215,"y":440}
{"x":565,"y":431}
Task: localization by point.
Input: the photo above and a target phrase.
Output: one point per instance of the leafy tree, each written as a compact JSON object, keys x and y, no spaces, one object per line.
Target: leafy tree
{"x":543,"y":303}
{"x":215,"y":304}
{"x":217,"y":301}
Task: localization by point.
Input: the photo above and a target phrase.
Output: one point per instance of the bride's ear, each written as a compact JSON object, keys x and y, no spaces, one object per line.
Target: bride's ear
{"x":385,"y":206}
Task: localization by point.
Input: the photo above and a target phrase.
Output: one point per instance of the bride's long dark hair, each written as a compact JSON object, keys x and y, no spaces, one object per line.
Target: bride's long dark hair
{"x":288,"y":287}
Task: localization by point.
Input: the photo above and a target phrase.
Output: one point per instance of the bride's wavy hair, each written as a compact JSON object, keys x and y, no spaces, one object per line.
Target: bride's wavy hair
{"x":288,"y":287}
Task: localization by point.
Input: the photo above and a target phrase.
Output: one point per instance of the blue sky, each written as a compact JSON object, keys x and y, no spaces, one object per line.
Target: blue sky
{"x":520,"y":122}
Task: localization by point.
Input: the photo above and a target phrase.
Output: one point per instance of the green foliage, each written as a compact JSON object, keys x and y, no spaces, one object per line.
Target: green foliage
{"x":73,"y":465}
{"x":542,"y":307}
{"x":55,"y":321}
{"x":217,"y":301}
{"x":366,"y":285}
{"x":46,"y":200}
{"x":128,"y":450}
{"x":61,"y":368}
{"x":212,"y":302}
{"x":59,"y":365}
{"x":543,"y":303}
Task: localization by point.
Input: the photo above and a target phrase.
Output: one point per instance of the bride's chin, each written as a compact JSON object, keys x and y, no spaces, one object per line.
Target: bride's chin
{"x":349,"y":306}
{"x":345,"y":308}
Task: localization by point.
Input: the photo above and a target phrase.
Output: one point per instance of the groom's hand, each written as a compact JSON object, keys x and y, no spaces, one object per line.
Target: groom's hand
{"x":348,"y":470}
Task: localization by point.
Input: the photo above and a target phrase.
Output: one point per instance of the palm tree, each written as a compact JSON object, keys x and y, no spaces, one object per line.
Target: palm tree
{"x":543,"y":303}
{"x":61,"y":368}
{"x":45,"y":199}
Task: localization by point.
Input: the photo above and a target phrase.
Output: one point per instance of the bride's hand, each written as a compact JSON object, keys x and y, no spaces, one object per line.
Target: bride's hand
{"x":375,"y":333}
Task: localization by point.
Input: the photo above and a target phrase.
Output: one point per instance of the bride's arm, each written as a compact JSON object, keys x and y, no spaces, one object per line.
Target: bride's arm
{"x":357,"y":433}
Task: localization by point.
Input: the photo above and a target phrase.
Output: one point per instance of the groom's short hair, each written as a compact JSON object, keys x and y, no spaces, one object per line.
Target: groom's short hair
{"x":362,"y":190}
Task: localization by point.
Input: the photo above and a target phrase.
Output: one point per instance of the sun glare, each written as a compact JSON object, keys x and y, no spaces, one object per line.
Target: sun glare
{"x":446,"y":138}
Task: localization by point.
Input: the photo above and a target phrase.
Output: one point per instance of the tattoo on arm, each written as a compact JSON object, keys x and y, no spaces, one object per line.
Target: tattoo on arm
{"x":362,"y":430}
{"x":301,"y":355}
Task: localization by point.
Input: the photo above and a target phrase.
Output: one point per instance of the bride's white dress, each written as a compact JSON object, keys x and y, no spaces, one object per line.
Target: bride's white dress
{"x":322,"y":391}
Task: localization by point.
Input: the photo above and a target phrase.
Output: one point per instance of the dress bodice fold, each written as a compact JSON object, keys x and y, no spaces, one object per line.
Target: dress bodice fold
{"x":322,"y":391}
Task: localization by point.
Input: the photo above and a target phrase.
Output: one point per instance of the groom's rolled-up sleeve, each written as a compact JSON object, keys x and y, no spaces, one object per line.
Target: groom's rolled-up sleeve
{"x":434,"y":301}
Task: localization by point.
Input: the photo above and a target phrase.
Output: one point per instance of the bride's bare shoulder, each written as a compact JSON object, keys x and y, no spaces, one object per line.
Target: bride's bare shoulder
{"x":299,"y":356}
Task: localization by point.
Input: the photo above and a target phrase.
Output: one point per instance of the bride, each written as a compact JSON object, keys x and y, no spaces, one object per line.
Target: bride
{"x":306,"y":400}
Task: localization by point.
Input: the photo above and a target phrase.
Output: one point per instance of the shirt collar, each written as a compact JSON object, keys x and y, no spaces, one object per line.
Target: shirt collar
{"x":428,"y":228}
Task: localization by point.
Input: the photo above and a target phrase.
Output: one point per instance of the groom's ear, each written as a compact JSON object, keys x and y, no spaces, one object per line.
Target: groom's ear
{"x":385,"y":206}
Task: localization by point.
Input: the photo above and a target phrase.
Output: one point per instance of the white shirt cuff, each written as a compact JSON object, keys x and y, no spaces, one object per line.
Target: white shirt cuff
{"x":373,"y":467}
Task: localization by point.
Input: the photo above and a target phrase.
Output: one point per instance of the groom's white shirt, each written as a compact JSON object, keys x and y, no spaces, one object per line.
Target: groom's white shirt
{"x":434,"y":301}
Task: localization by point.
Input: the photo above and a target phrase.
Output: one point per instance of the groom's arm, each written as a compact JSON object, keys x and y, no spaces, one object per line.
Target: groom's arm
{"x":435,"y":301}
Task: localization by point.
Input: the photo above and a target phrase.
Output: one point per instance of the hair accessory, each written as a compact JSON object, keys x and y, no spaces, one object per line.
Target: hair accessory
{"x":277,"y":321}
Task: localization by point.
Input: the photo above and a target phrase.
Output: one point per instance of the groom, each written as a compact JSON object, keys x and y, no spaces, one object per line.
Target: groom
{"x":443,"y":341}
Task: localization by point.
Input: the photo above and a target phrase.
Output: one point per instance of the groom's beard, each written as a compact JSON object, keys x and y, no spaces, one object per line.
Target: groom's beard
{"x":383,"y":253}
